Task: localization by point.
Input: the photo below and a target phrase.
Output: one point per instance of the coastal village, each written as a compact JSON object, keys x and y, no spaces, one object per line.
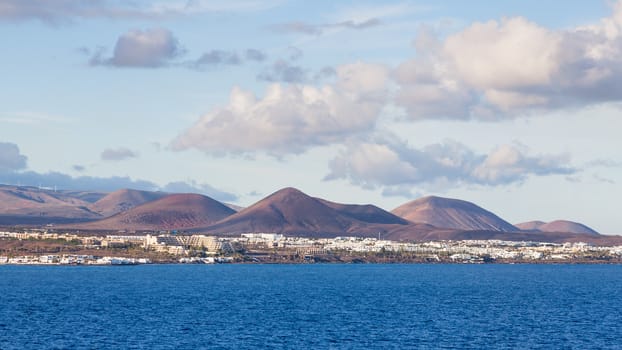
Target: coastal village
{"x":167,"y":247}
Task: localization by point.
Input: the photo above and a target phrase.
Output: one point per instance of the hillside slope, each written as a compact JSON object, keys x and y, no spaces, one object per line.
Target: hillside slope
{"x":122,"y":200}
{"x":290,"y":211}
{"x":172,"y":212}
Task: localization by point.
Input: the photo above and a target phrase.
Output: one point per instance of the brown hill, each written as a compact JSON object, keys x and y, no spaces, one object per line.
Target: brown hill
{"x":557,"y":226}
{"x":567,"y":226}
{"x":122,"y":200}
{"x":451,"y":213}
{"x":26,"y":201}
{"x":290,"y":211}
{"x":530,"y":225}
{"x":172,"y":212}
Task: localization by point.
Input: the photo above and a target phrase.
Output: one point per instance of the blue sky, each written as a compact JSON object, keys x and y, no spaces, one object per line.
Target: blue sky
{"x":513,"y":105}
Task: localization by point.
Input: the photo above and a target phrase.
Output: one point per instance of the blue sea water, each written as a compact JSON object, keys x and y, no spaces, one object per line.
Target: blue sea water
{"x":311,"y":307}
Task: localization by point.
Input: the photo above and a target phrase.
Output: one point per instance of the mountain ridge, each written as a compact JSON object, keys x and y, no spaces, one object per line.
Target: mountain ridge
{"x":291,"y":211}
{"x":170,"y":212}
{"x":288,"y":211}
{"x":122,"y":200}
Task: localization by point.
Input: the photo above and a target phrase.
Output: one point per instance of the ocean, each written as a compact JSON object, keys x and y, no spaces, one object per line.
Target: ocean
{"x":311,"y":307}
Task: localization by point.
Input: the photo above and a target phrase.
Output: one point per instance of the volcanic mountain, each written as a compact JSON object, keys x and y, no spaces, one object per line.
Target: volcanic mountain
{"x":451,"y":213}
{"x":556,"y":226}
{"x":291,"y":211}
{"x":172,"y":212}
{"x":31,"y":202}
{"x":530,"y":225}
{"x":122,"y":200}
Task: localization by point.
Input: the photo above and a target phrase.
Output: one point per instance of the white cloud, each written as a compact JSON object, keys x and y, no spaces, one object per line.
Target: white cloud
{"x":509,"y":164}
{"x":394,"y":166}
{"x":149,"y":48}
{"x":369,"y":164}
{"x":291,"y":118}
{"x":508,"y":100}
{"x":511,"y":67}
{"x":511,"y":53}
{"x":362,"y":78}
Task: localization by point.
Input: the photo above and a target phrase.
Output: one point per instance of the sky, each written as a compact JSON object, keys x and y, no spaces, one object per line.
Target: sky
{"x":513,"y":105}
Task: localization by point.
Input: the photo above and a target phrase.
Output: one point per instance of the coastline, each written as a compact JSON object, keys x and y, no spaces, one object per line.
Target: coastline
{"x":335,"y":260}
{"x":49,"y":248}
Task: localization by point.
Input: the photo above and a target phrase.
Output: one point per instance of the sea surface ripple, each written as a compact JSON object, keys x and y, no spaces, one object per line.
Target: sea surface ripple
{"x":311,"y":307}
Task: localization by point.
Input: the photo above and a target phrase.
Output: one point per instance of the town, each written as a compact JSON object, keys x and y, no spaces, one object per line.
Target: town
{"x":46,"y":247}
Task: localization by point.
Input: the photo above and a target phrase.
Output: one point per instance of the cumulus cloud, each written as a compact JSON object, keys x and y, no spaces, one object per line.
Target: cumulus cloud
{"x":117,"y":154}
{"x":513,"y":66}
{"x":393,"y":166}
{"x":291,"y":118}
{"x":11,"y":158}
{"x":149,"y":48}
{"x":507,"y":164}
{"x":509,"y":54}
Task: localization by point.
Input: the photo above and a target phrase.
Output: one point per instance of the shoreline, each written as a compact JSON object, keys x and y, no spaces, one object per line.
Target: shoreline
{"x":358,"y":262}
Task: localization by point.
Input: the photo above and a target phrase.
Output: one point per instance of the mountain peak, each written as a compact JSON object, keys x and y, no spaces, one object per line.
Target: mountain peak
{"x":530,"y":225}
{"x":173,"y":211}
{"x":291,"y":211}
{"x":123,"y":200}
{"x":451,"y":213}
{"x":287,"y":192}
{"x":443,"y":202}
